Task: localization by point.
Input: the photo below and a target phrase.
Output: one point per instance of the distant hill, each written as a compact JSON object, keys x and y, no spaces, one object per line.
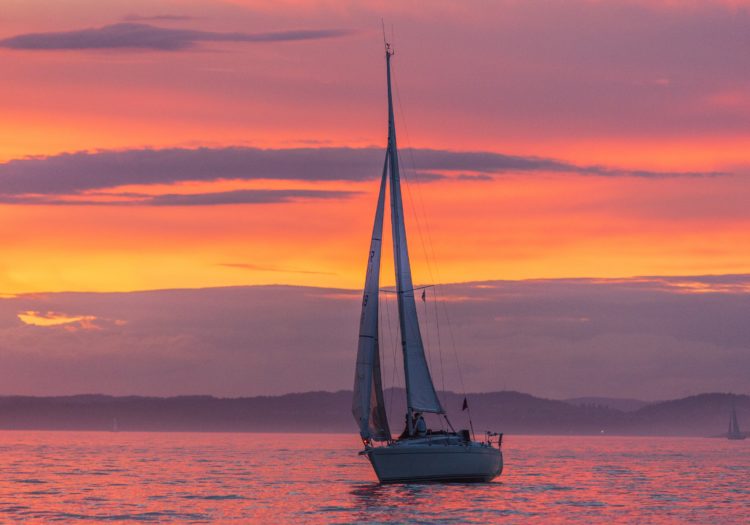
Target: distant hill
{"x":704,"y":414}
{"x":509,"y":412}
{"x":622,"y":404}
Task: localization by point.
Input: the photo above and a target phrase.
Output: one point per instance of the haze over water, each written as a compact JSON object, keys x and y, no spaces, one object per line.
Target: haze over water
{"x":313,"y":478}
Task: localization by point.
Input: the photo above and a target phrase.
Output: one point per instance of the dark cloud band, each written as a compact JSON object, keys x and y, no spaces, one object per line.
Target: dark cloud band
{"x":75,"y":173}
{"x":175,"y":199}
{"x":145,"y":36}
{"x":644,"y":337}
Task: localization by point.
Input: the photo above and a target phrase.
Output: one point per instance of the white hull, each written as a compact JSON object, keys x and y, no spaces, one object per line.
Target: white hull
{"x":422,"y":460}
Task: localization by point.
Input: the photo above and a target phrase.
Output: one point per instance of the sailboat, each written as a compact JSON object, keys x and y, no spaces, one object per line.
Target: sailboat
{"x":734,"y":426}
{"x":418,"y":455}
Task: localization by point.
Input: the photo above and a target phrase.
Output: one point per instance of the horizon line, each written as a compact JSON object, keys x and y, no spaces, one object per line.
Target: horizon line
{"x":358,"y":289}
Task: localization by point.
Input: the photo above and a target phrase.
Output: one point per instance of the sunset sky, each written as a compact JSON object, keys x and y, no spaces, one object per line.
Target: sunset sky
{"x":155,"y":145}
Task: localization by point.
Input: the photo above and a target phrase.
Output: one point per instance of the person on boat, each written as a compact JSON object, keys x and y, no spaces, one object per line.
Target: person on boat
{"x":419,"y":425}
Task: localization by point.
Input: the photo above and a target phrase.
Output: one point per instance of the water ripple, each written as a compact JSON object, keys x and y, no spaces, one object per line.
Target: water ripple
{"x":71,"y":477}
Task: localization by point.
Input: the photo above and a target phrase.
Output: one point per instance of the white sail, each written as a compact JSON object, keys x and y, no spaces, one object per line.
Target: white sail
{"x":420,"y":391}
{"x":368,"y":406}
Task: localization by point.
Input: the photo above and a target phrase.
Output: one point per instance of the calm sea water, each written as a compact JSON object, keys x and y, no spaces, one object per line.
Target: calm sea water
{"x":279,"y":478}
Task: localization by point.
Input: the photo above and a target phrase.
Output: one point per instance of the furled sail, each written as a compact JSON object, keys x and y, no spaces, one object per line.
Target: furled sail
{"x":368,"y":406}
{"x":420,"y":391}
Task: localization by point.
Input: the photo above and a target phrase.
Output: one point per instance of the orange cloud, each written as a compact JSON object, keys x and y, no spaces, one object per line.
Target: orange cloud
{"x":46,"y":319}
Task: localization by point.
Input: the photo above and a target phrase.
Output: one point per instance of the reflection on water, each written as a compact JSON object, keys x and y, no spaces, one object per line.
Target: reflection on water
{"x":125,"y":477}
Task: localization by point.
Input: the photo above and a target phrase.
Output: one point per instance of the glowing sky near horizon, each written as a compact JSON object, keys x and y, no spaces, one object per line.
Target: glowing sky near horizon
{"x":654,"y":95}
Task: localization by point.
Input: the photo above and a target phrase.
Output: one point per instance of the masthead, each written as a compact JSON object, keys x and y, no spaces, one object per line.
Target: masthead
{"x":388,"y":49}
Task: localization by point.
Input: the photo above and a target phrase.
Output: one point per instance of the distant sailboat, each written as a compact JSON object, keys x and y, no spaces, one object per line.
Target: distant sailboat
{"x":734,"y":426}
{"x":418,"y":454}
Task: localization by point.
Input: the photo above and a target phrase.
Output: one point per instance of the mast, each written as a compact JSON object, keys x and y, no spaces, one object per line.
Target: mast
{"x":420,"y":390}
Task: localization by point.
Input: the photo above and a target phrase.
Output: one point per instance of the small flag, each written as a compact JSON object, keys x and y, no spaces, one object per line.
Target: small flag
{"x":424,"y":299}
{"x":466,"y":404}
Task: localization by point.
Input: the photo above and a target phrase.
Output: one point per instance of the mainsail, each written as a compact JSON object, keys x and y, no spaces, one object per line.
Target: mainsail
{"x":368,"y":406}
{"x":420,"y":391}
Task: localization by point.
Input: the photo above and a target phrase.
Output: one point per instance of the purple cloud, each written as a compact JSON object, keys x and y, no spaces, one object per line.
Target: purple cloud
{"x":144,"y":36}
{"x":29,"y":180}
{"x":250,"y":196}
{"x":649,"y":337}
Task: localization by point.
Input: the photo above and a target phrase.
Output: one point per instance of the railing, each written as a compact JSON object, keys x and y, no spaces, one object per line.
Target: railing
{"x":489,"y":435}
